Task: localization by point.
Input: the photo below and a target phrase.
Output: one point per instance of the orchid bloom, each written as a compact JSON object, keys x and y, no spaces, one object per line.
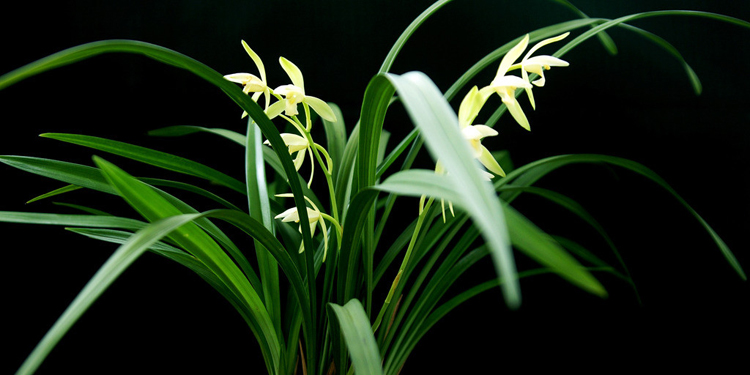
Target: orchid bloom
{"x":315,"y":218}
{"x":295,"y":94}
{"x":250,"y":82}
{"x":301,"y":146}
{"x":505,"y":85}
{"x":467,"y":112}
{"x":538,"y":64}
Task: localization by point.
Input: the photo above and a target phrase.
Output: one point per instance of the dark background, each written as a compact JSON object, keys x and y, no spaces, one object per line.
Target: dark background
{"x":639,"y":105}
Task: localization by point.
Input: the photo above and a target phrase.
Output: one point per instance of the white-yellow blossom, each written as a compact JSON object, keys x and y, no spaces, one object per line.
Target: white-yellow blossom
{"x":250,"y":82}
{"x":505,"y":85}
{"x":538,"y":64}
{"x":295,"y":94}
{"x":315,"y":218}
{"x":301,"y":146}
{"x":473,"y":134}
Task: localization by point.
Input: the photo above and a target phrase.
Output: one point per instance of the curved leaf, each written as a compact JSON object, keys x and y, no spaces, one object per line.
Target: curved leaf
{"x":357,"y":332}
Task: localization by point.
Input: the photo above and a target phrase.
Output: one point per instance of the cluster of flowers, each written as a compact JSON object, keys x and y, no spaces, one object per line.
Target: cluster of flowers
{"x":291,"y":95}
{"x":505,"y":86}
{"x":288,"y":98}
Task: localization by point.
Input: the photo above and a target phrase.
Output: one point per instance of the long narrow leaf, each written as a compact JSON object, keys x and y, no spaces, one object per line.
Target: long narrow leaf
{"x":357,"y":332}
{"x":438,"y":125}
{"x":529,"y":173}
{"x":153,"y":157}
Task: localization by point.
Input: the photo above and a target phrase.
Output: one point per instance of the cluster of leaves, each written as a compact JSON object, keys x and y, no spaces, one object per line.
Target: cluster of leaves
{"x":327,"y":320}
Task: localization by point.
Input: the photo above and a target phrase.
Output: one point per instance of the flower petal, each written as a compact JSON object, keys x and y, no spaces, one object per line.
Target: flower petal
{"x":239,"y":77}
{"x":293,"y":72}
{"x":512,"y":56}
{"x":256,"y":60}
{"x":288,"y":215}
{"x":294,"y":140}
{"x":545,"y":42}
{"x":321,"y":107}
{"x":509,"y":81}
{"x":485,"y":131}
{"x":515,"y":110}
{"x":545,"y":60}
{"x":490,"y":163}
{"x":470,"y":107}
{"x":275,"y":109}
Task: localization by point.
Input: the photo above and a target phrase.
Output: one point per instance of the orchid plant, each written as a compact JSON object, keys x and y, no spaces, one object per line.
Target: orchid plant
{"x":331,"y":319}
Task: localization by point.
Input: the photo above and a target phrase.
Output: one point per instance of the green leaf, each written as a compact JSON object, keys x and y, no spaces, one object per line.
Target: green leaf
{"x":407,"y":33}
{"x":260,"y":210}
{"x":108,"y":273}
{"x":195,"y":241}
{"x":180,"y":130}
{"x":542,"y":248}
{"x":70,"y":220}
{"x":529,"y":173}
{"x":53,"y":193}
{"x":523,"y":234}
{"x":269,"y":155}
{"x":89,"y":210}
{"x":357,"y":332}
{"x":148,"y":156}
{"x":438,"y":126}
{"x":173,"y":58}
{"x":335,"y":138}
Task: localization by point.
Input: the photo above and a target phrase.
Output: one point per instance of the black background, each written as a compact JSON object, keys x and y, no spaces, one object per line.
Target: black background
{"x":639,"y":105}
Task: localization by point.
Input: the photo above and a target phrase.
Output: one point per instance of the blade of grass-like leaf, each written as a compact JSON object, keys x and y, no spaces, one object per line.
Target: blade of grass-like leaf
{"x":531,"y":172}
{"x":259,"y":209}
{"x":269,"y":155}
{"x":523,"y":233}
{"x":169,"y":252}
{"x":56,"y":192}
{"x":542,"y":248}
{"x":154,"y":207}
{"x":604,"y":38}
{"x":357,"y":332}
{"x":660,"y":42}
{"x":115,"y":265}
{"x":180,"y":130}
{"x":578,"y":210}
{"x":694,"y":80}
{"x":89,"y":210}
{"x":191,"y":188}
{"x":91,"y":178}
{"x":70,"y":220}
{"x":438,"y":125}
{"x":406,"y":34}
{"x":152,"y":157}
{"x":120,"y":237}
{"x":335,"y":138}
{"x":173,"y":58}
{"x":75,"y":174}
{"x":583,"y":253}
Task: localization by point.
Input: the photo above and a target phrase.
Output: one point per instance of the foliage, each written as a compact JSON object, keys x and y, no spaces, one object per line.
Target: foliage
{"x":328,"y":252}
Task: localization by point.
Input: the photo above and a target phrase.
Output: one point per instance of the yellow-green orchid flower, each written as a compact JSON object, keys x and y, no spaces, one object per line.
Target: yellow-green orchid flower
{"x":314,"y":216}
{"x":538,"y":64}
{"x":250,"y":82}
{"x":301,"y":146}
{"x":505,"y":85}
{"x":295,"y":94}
{"x":467,"y":112}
